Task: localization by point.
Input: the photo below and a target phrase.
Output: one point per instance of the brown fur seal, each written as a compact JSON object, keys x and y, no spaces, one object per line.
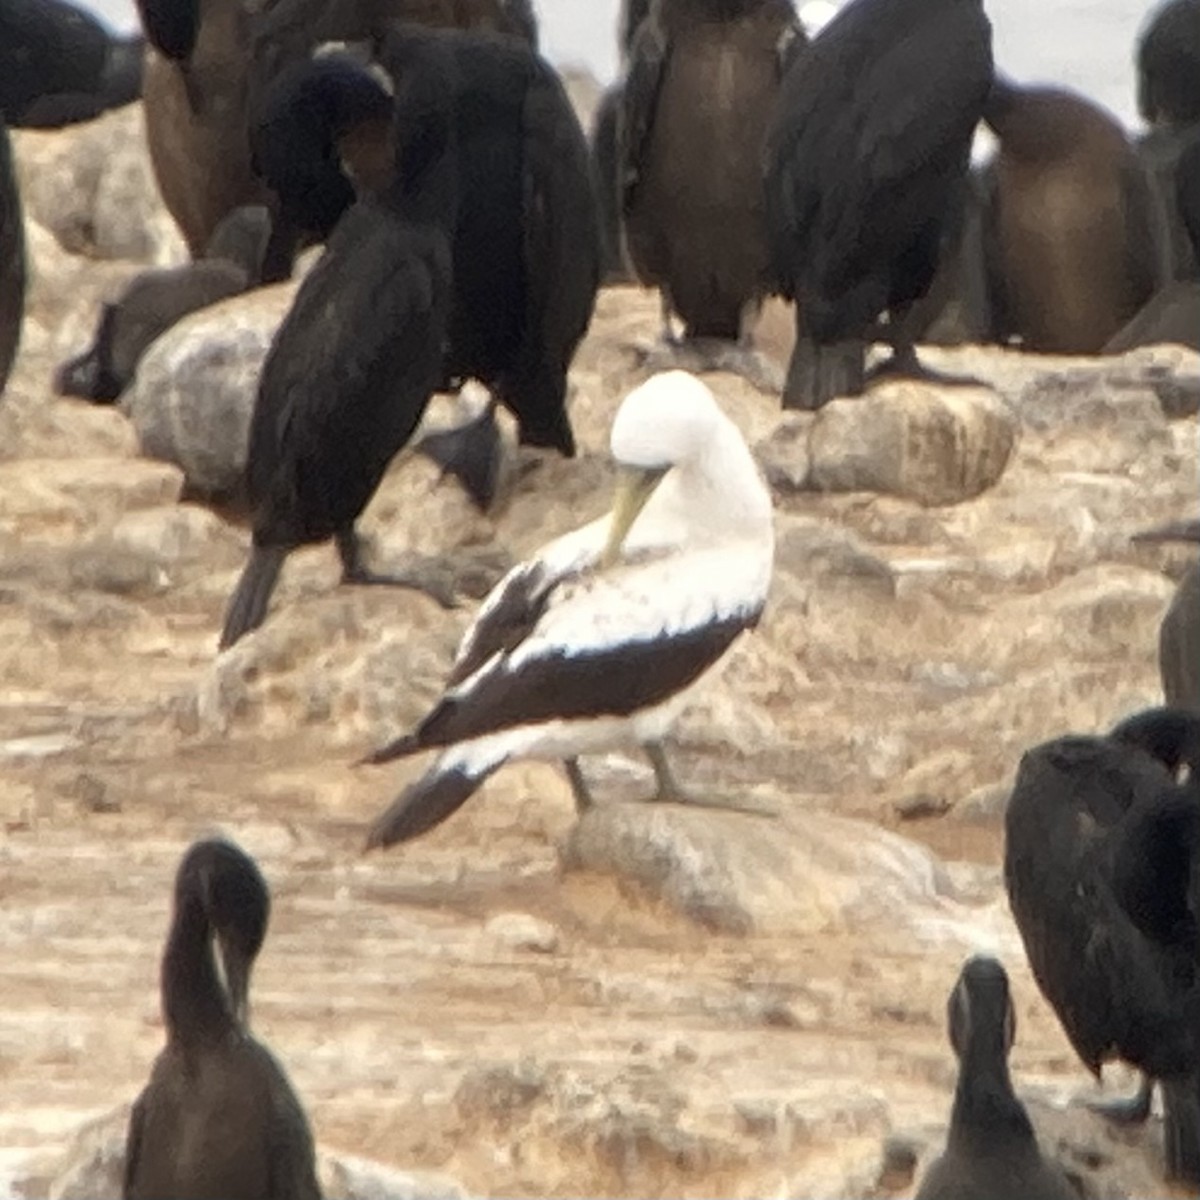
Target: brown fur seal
{"x":1076,"y":242}
{"x":703,"y":79}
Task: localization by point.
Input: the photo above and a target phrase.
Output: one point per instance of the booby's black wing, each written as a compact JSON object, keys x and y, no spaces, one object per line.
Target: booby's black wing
{"x":639,"y":100}
{"x":171,"y":25}
{"x":562,"y":238}
{"x":600,"y":646}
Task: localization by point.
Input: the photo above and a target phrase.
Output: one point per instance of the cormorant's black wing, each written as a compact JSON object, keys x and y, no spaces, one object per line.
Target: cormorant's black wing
{"x":352,"y":366}
{"x":639,"y":99}
{"x":562,"y":236}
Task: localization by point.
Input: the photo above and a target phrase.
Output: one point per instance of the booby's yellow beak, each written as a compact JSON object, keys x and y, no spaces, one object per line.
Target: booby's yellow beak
{"x":635,"y":485}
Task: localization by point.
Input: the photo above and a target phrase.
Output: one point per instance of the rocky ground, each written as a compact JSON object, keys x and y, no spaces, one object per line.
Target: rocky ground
{"x":658,"y":1001}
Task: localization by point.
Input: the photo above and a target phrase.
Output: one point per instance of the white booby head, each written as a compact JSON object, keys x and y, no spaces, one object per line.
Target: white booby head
{"x":592,"y":644}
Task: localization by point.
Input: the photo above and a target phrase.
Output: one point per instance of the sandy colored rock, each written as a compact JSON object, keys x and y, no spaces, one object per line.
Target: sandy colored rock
{"x":798,"y":872}
{"x":931,"y":445}
{"x":93,"y":187}
{"x":193,"y":394}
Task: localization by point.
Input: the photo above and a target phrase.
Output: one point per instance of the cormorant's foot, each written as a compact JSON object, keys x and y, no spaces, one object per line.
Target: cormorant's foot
{"x":1135,"y":1110}
{"x":472,"y":453}
{"x":908,"y":366}
{"x":435,"y":577}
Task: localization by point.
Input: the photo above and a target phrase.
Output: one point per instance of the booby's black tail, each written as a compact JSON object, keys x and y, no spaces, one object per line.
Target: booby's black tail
{"x":1175,"y":531}
{"x":819,"y":373}
{"x":1181,"y":1129}
{"x":452,"y":780}
{"x":248,"y":604}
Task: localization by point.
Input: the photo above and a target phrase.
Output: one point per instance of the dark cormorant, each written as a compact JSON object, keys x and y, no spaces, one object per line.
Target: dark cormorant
{"x":219,"y":1119}
{"x":1187,"y":193}
{"x":12,"y":259}
{"x":991,"y":1149}
{"x":702,"y":84}
{"x":1179,"y":633}
{"x":1101,"y":876}
{"x":156,"y":299}
{"x":59,"y":65}
{"x":1076,"y":243}
{"x":1168,"y":65}
{"x":867,"y":163}
{"x":526,"y":242}
{"x":291,"y":149}
{"x":352,"y":367}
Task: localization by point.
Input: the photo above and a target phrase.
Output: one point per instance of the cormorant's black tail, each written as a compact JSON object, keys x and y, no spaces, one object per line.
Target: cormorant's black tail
{"x":470,"y":452}
{"x":1181,"y":1128}
{"x":248,"y":604}
{"x":452,"y":780}
{"x":818,"y":373}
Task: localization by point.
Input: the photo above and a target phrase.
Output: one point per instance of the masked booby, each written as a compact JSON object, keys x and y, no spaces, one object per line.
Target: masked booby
{"x":592,"y":644}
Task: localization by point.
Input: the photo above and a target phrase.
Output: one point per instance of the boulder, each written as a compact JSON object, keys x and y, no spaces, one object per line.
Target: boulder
{"x":760,"y":872}
{"x":932,"y":445}
{"x":93,"y":187}
{"x":194,"y":391}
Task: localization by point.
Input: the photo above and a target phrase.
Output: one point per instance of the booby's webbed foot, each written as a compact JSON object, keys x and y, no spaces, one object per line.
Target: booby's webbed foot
{"x":670,"y":791}
{"x":903,"y":363}
{"x":470,"y":452}
{"x":433,"y":576}
{"x":584,"y":800}
{"x":1134,"y":1110}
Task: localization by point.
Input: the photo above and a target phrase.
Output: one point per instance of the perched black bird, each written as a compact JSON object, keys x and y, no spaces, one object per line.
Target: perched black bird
{"x":991,"y":1149}
{"x":291,"y":114}
{"x":353,"y":365}
{"x":1179,"y":633}
{"x":526,"y":241}
{"x":703,"y":80}
{"x":867,"y":163}
{"x":156,"y":299}
{"x":1187,"y":193}
{"x":1101,"y":865}
{"x":59,"y":65}
{"x":1168,"y":64}
{"x":12,"y":259}
{"x":218,"y":1119}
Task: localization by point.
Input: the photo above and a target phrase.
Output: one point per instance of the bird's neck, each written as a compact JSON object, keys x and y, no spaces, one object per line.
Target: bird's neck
{"x":985,"y":1105}
{"x":724,"y":491}
{"x":195,"y":1006}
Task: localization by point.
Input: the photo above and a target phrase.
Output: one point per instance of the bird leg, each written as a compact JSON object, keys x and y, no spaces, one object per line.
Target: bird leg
{"x":904,"y":362}
{"x":670,"y":791}
{"x":1132,"y":1111}
{"x":584,"y":800}
{"x":428,"y":577}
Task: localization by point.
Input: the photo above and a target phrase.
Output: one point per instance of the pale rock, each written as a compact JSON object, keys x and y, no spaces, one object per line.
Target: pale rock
{"x":523,"y":931}
{"x":92,"y":185}
{"x":798,"y":872}
{"x":932,"y":445}
{"x":814,"y":550}
{"x":784,"y":455}
{"x":182,"y":533}
{"x":193,"y":395}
